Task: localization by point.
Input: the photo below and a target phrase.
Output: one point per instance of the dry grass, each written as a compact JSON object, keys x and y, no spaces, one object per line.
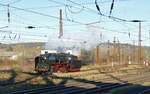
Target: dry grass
{"x":25,"y":75}
{"x":8,"y":64}
{"x":22,"y":71}
{"x":6,"y":61}
{"x":146,"y":83}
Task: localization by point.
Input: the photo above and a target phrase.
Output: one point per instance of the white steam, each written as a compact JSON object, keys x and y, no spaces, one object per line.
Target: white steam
{"x":73,"y":41}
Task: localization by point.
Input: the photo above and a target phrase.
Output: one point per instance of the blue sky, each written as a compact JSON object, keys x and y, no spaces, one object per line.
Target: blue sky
{"x":83,"y":11}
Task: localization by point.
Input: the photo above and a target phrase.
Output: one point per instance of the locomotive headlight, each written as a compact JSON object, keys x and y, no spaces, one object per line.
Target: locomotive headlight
{"x":44,"y":57}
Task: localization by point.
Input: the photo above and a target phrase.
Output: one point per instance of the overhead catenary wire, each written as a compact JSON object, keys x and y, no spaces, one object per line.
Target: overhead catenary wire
{"x":67,"y":19}
{"x":25,"y":23}
{"x":115,"y":17}
{"x":90,"y":2}
{"x":126,"y":25}
{"x":39,"y":13}
{"x":43,"y":7}
{"x":76,"y":3}
{"x":35,"y":13}
{"x":10,"y":2}
{"x":14,"y":36}
{"x":74,"y":12}
{"x":22,"y":22}
{"x":14,"y":2}
{"x":122,"y":32}
{"x":127,"y":33}
{"x":66,"y":14}
{"x":79,"y":6}
{"x":111,"y":17}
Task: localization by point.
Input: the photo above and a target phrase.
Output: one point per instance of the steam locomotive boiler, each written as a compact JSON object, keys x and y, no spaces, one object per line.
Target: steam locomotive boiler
{"x":56,"y":62}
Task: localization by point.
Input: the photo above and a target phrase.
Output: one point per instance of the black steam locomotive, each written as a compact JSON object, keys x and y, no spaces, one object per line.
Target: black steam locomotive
{"x":56,"y":62}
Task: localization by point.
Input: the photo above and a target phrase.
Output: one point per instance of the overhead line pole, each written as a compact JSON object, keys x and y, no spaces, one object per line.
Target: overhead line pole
{"x":119,"y":52}
{"x":42,"y":14}
{"x":133,"y":52}
{"x":139,"y":45}
{"x":97,"y":54}
{"x":60,"y":23}
{"x":108,"y":52}
{"x":8,"y":14}
{"x":114,"y":52}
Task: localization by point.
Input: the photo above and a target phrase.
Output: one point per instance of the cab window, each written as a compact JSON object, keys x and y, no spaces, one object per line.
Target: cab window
{"x":51,"y":58}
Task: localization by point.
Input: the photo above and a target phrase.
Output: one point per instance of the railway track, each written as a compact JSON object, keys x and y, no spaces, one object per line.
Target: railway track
{"x":64,"y":89}
{"x":100,"y":87}
{"x":147,"y":91}
{"x":7,"y":83}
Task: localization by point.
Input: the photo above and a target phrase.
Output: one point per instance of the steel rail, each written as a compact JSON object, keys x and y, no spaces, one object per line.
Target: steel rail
{"x":64,"y":89}
{"x":105,"y":87}
{"x":147,"y":91}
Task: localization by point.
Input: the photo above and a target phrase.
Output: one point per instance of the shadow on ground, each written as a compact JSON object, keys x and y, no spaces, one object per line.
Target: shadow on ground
{"x":10,"y":85}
